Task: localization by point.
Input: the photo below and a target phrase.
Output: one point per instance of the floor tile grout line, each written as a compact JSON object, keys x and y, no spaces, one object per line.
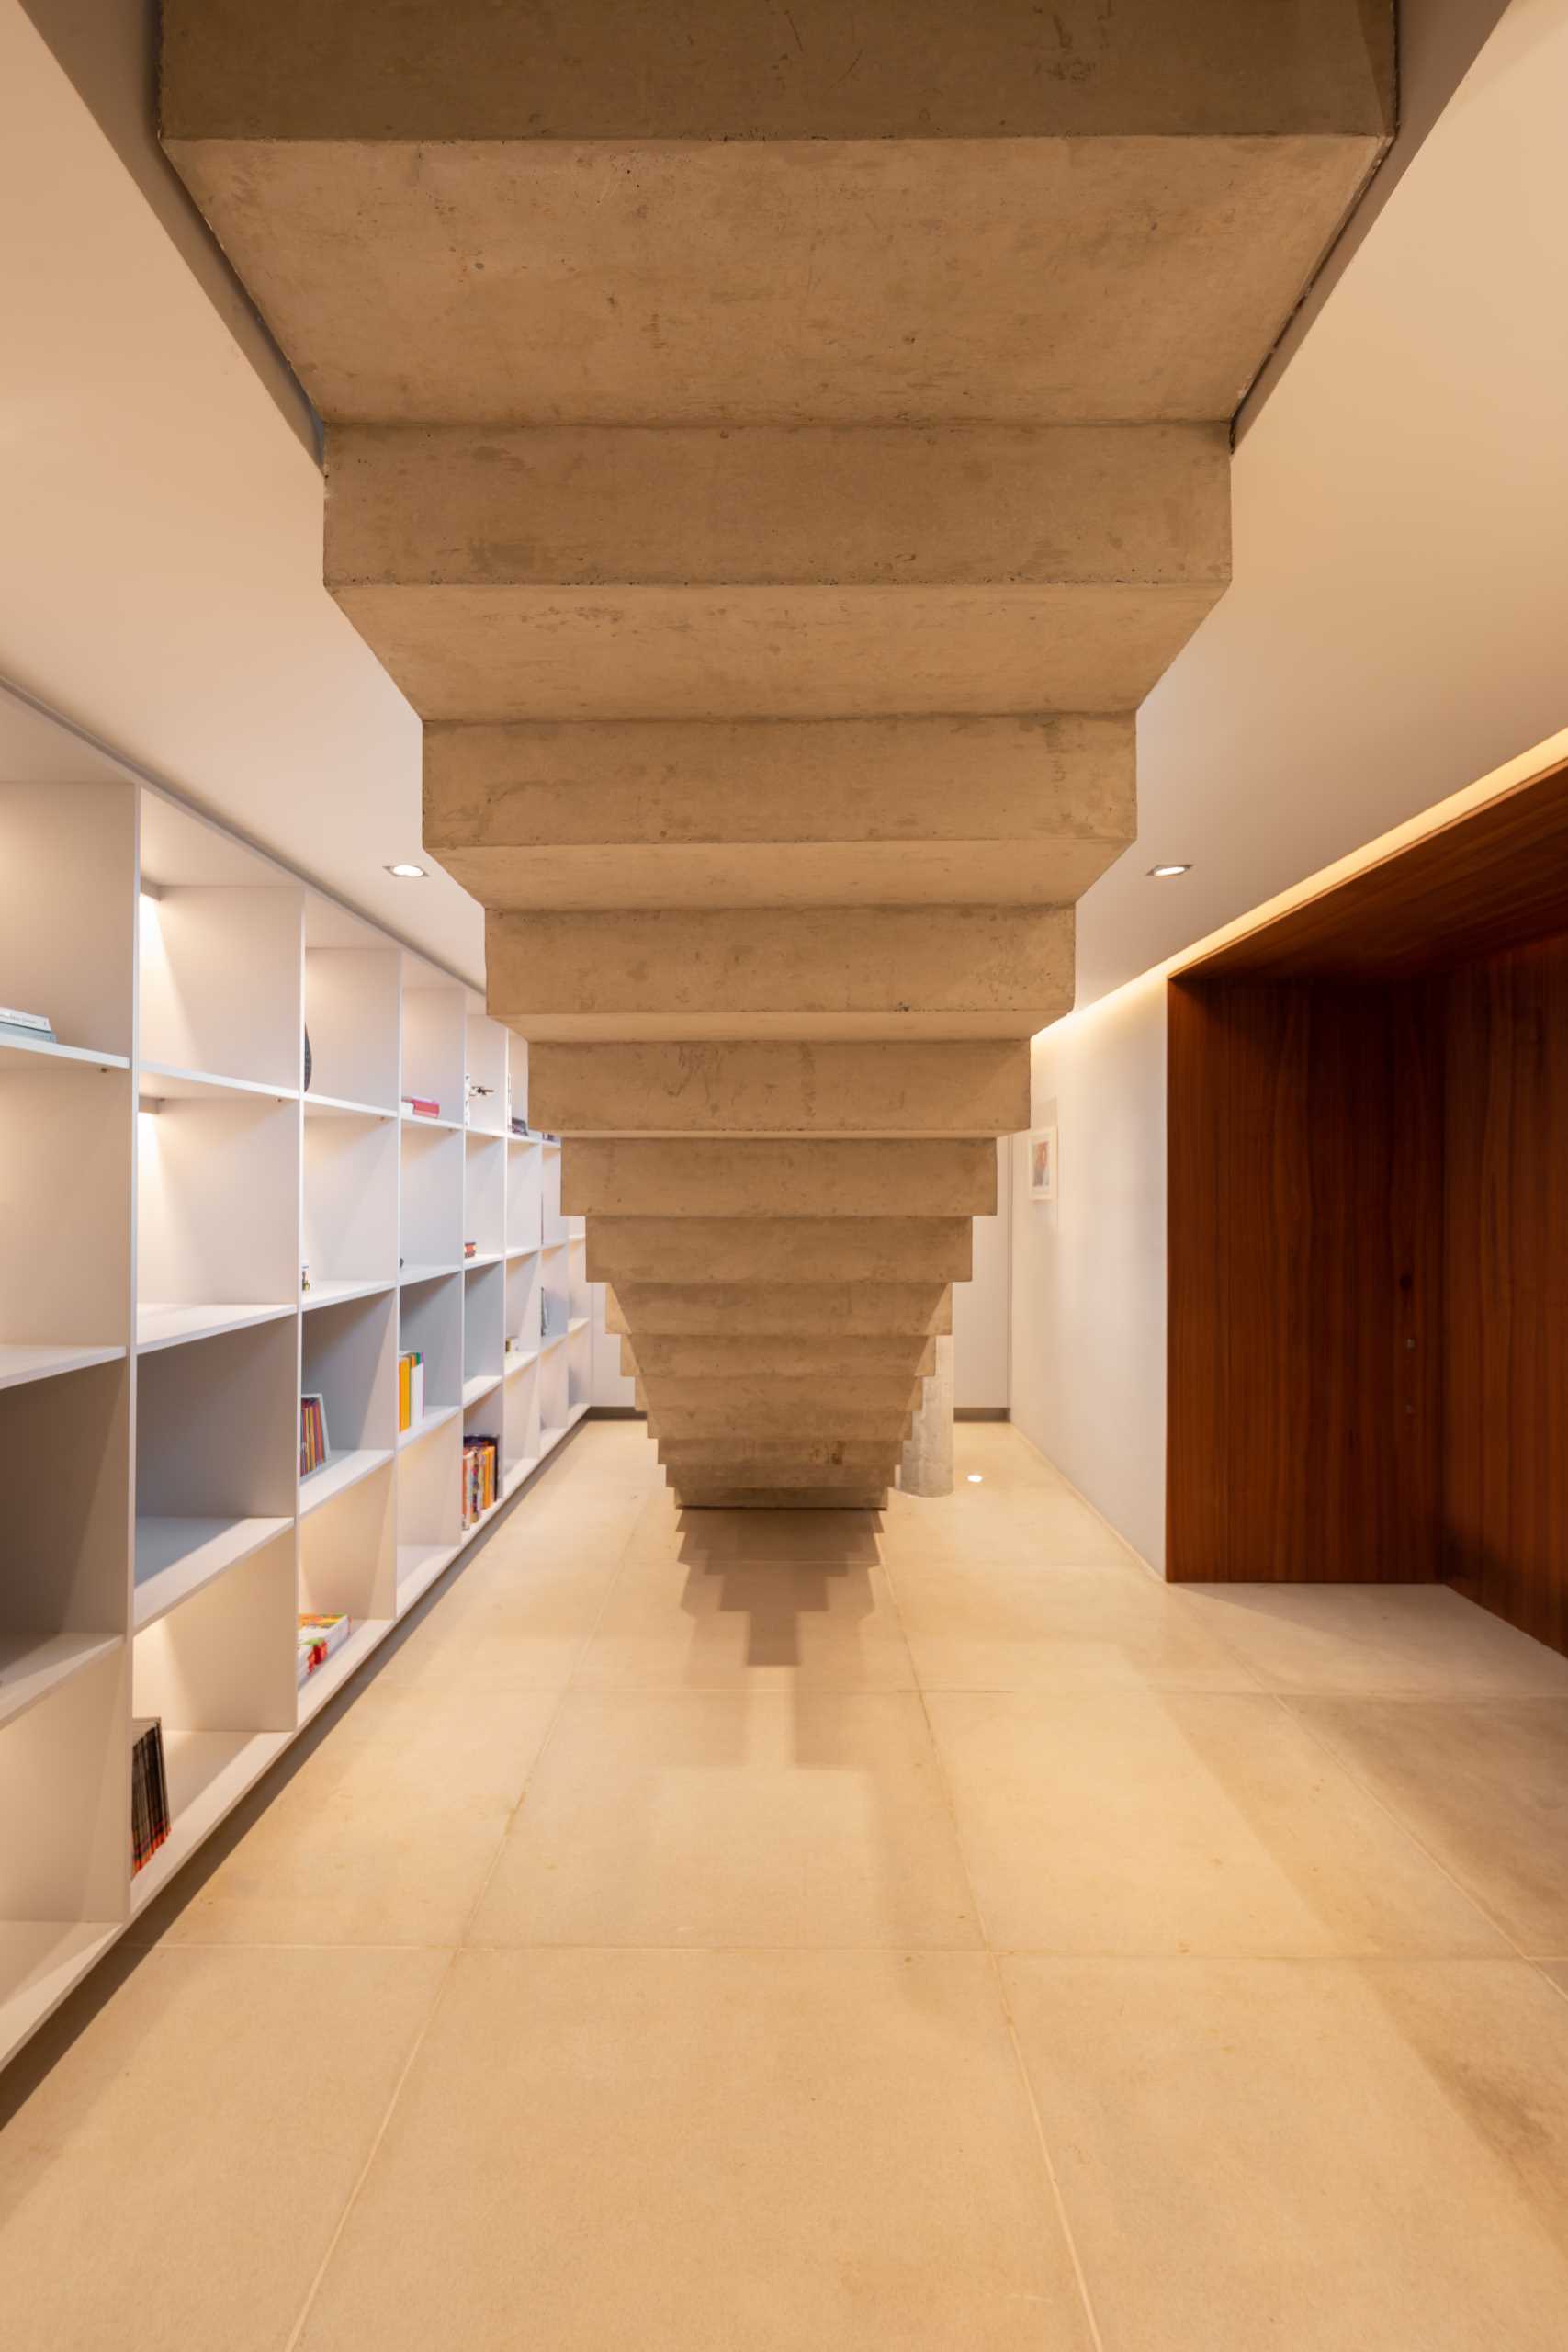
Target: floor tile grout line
{"x":1052,"y":2182}
{"x":1407,"y":1828}
{"x":560,"y":1696}
{"x":1110,"y":1955}
{"x":313,"y":2290}
{"x":1056,"y":2199}
{"x":356,"y":2189}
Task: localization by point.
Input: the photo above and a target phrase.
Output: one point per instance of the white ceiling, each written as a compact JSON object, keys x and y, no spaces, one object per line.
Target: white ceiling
{"x":1395,"y":628}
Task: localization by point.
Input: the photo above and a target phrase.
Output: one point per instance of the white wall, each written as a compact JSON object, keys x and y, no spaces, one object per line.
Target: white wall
{"x":1087,"y":1316}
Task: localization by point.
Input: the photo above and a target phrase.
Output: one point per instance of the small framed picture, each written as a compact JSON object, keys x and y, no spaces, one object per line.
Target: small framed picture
{"x":1042,"y":1164}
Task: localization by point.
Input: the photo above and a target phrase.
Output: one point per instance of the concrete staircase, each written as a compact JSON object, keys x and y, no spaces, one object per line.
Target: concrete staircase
{"x":776,"y":449}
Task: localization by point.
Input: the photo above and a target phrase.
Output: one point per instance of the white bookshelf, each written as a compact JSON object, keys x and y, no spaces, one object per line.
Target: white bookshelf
{"x":194,"y":1236}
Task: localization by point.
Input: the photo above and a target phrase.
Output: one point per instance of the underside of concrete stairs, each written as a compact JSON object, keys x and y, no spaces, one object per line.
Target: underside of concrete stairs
{"x":776,"y":451}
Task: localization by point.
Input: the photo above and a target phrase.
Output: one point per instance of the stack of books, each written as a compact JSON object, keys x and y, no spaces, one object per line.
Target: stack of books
{"x":319,"y":1637}
{"x":31,"y":1028}
{"x":410,"y":1388}
{"x":149,"y":1791}
{"x":312,"y":1434}
{"x":480,"y":1476}
{"x":421,"y":1106}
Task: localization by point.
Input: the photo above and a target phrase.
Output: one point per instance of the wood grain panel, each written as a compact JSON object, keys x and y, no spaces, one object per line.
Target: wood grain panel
{"x":1505,"y":1279}
{"x":1490,"y":881}
{"x":1306,"y":1265}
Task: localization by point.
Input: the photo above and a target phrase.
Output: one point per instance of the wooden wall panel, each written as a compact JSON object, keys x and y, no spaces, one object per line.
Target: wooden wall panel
{"x":1305,"y":1143}
{"x":1506,"y":1274}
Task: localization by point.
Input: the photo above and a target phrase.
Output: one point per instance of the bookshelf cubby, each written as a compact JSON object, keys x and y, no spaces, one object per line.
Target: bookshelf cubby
{"x":486,"y":1077}
{"x":520,"y":1422}
{"x":350,"y":1202}
{"x":61,"y":1598}
{"x":483,"y":1317}
{"x":524,"y":1277}
{"x":484,"y":1195}
{"x":170,"y":1169}
{"x":69,"y":1131}
{"x":434,"y":1033}
{"x":203,"y":1262}
{"x":353,"y":992}
{"x":431,"y":1215}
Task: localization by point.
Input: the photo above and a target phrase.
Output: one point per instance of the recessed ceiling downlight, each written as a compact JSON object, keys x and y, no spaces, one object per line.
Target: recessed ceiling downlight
{"x":406,"y":872}
{"x":1156,"y":873}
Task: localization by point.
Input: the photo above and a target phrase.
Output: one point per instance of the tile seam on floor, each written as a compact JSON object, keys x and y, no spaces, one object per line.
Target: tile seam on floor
{"x":292,"y":2339}
{"x":560,"y":1696}
{"x":1055,"y":2201}
{"x":453,"y":1951}
{"x":1407,"y":1828}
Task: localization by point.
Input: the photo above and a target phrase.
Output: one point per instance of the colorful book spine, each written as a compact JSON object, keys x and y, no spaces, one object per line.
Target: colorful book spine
{"x":318,"y":1638}
{"x":421,"y":1106}
{"x":312,"y":1434}
{"x":150,"y":1818}
{"x":410,"y":1388}
{"x":480,"y":1477}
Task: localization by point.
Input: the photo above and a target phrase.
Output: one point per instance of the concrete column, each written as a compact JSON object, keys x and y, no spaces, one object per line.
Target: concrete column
{"x":926,"y":1465}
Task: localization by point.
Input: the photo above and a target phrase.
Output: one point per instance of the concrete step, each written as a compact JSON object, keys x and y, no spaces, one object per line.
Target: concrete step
{"x":726,"y":973}
{"x":692,"y":1495}
{"x":779,"y":1250}
{"x":794,"y":1461}
{"x":780,"y":812}
{"x":978,"y":1087}
{"x":686,"y":211}
{"x":729,"y":1392}
{"x":623,"y":572}
{"x":712,"y":1355}
{"x":751,"y":1179}
{"x":806,"y":1415}
{"x":740,"y":1310}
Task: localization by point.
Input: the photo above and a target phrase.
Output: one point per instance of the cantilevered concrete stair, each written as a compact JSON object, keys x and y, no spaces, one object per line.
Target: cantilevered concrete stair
{"x":776,"y":449}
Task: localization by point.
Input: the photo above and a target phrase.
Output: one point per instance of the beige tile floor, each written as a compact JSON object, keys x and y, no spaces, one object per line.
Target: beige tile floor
{"x":923,"y":1935}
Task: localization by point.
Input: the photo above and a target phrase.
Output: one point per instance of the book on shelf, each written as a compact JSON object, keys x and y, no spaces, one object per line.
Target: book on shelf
{"x":410,"y":1388}
{"x":480,"y":1475}
{"x":150,"y":1822}
{"x":32,"y":1027}
{"x":421,"y":1106}
{"x":312,"y":1434}
{"x":470,"y":1249}
{"x":318,"y":1639}
{"x":520,"y":1128}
